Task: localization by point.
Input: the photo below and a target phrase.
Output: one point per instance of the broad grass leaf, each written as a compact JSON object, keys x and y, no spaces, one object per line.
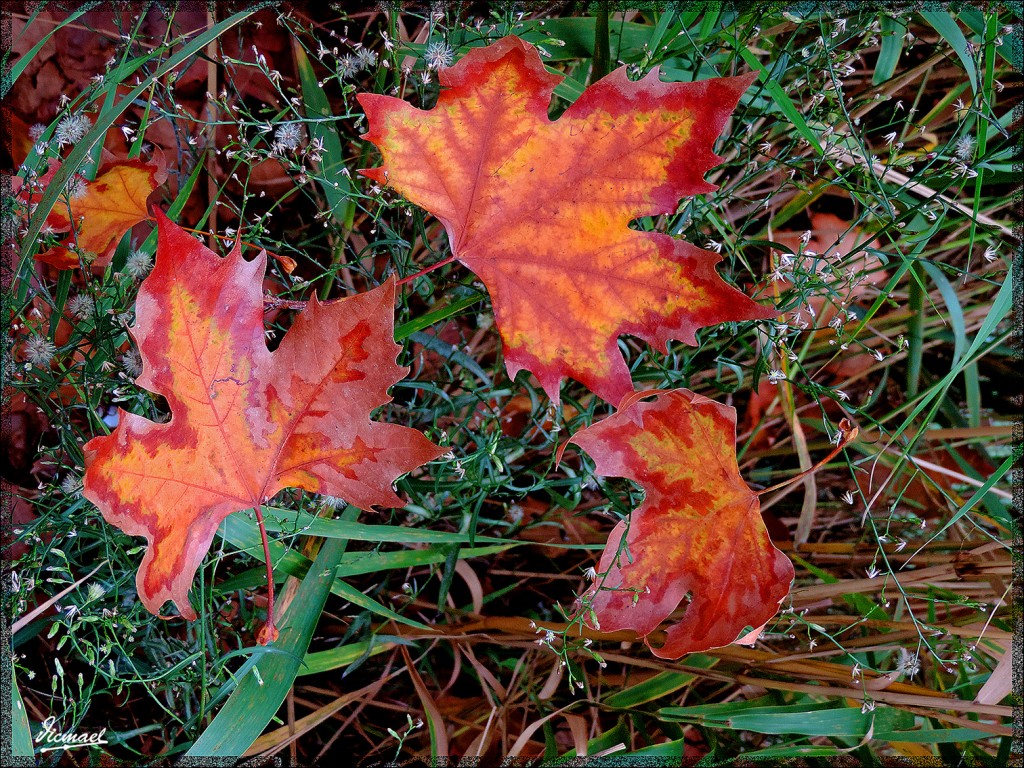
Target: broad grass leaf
{"x":697,"y":541}
{"x":245,"y":422}
{"x":540,"y":209}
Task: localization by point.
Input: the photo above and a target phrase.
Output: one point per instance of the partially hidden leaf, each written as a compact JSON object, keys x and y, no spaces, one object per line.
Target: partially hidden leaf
{"x":97,"y":213}
{"x":245,"y":423}
{"x":540,"y":209}
{"x":697,"y":541}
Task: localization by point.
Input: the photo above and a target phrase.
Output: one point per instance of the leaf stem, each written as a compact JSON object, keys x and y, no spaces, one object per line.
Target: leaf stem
{"x":425,"y":270}
{"x":600,"y":65}
{"x":847,"y":433}
{"x":268,"y":633}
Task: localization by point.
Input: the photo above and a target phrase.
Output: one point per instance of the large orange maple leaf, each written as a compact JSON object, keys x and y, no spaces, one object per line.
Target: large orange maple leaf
{"x":697,"y":535}
{"x":540,"y":209}
{"x":245,"y":422}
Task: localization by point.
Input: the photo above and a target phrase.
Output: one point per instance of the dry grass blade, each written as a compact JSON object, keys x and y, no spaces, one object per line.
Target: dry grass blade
{"x":435,"y":722}
{"x":274,"y":741}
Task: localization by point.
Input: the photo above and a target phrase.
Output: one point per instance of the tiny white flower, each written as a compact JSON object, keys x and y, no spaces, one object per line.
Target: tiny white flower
{"x":81,"y":306}
{"x":289,"y":135}
{"x":366,"y":57}
{"x":964,"y":148}
{"x":131,"y":362}
{"x":438,"y":55}
{"x":138,"y":264}
{"x":348,"y":65}
{"x":77,"y":187}
{"x":39,"y":351}
{"x":95,"y":591}
{"x":912,"y":665}
{"x":962,"y":169}
{"x":848,"y":497}
{"x":775,"y":376}
{"x":71,"y":485}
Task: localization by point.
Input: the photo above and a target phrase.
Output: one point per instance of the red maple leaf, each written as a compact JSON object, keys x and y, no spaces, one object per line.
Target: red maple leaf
{"x":698,"y":537}
{"x":540,"y":209}
{"x":245,"y":422}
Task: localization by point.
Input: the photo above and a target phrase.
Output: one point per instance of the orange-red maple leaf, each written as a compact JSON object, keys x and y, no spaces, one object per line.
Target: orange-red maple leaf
{"x":540,"y":209}
{"x":697,"y":535}
{"x":98,"y":211}
{"x":245,"y":422}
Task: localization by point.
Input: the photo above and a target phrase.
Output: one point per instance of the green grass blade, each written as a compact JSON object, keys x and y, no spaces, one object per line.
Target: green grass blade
{"x":243,"y":533}
{"x":356,"y":597}
{"x":1001,"y":306}
{"x":626,"y":39}
{"x":847,"y":722}
{"x":954,"y":311}
{"x":21,"y":733}
{"x":252,"y":704}
{"x":943,"y":23}
{"x":666,"y":750}
{"x":9,"y":79}
{"x":327,"y":661}
{"x":782,"y":100}
{"x":660,"y":685}
{"x":665,"y":19}
{"x":358,"y":563}
{"x":976,"y":21}
{"x":935,"y":736}
{"x":807,"y":718}
{"x":405,"y":330}
{"x":979,"y":494}
{"x":290,"y":521}
{"x":452,"y":354}
{"x":891,"y":47}
{"x":336,"y":186}
{"x":175,"y":208}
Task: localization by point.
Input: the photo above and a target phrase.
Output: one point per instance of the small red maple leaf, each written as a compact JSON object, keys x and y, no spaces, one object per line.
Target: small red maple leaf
{"x":698,"y":538}
{"x":96,"y":213}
